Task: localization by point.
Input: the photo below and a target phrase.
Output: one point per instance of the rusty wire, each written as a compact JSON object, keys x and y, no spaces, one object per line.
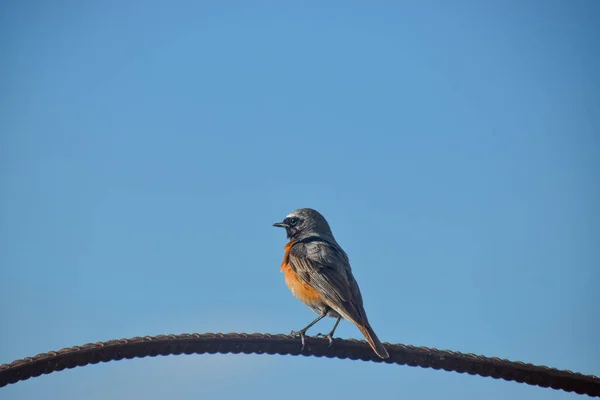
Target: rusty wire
{"x":236,"y":343}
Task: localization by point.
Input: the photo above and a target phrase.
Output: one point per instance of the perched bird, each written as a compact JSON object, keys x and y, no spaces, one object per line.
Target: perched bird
{"x":317,"y":271}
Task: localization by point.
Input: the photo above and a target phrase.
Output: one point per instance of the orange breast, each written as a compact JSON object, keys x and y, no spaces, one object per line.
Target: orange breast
{"x":302,"y":290}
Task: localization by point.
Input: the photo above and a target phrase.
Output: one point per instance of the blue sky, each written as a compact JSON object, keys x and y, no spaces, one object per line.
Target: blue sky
{"x":147,"y":147}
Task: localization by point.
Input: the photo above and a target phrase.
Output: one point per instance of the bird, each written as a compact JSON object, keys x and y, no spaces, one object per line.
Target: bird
{"x":317,"y":271}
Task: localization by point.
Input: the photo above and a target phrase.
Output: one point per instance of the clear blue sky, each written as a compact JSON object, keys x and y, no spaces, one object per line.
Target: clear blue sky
{"x":147,"y":147}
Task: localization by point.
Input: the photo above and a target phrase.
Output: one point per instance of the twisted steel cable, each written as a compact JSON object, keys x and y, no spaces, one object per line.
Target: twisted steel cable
{"x":236,"y":343}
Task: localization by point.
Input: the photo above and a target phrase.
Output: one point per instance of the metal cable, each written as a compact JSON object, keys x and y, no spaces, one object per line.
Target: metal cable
{"x":236,"y":343}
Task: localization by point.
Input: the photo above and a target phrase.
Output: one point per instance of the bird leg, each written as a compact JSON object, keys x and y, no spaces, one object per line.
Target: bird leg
{"x":302,"y":331}
{"x":329,"y":336}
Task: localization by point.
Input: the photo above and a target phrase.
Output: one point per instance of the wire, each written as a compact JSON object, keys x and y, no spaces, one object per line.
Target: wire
{"x":236,"y":343}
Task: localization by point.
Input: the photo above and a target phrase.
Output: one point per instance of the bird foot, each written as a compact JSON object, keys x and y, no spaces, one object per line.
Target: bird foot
{"x":302,"y":337}
{"x":328,"y":336}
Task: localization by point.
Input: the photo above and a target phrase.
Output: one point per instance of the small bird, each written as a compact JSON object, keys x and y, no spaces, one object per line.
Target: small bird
{"x":317,"y":271}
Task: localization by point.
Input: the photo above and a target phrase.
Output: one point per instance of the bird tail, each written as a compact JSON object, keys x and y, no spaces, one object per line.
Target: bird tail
{"x":373,"y":340}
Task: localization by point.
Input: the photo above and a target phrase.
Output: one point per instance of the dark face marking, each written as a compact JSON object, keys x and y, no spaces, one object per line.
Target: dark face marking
{"x":293,"y":226}
{"x":293,"y":221}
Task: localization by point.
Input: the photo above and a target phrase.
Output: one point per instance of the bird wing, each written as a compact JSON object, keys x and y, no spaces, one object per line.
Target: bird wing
{"x":326,"y":268}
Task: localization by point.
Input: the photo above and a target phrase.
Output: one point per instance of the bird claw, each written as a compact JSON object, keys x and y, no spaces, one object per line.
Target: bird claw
{"x":302,"y":337}
{"x":329,"y":337}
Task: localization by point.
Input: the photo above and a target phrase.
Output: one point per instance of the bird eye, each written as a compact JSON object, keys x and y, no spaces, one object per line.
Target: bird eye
{"x":293,"y":221}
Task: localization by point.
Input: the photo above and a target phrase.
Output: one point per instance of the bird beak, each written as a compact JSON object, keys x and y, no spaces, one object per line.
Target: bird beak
{"x":280,"y":225}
